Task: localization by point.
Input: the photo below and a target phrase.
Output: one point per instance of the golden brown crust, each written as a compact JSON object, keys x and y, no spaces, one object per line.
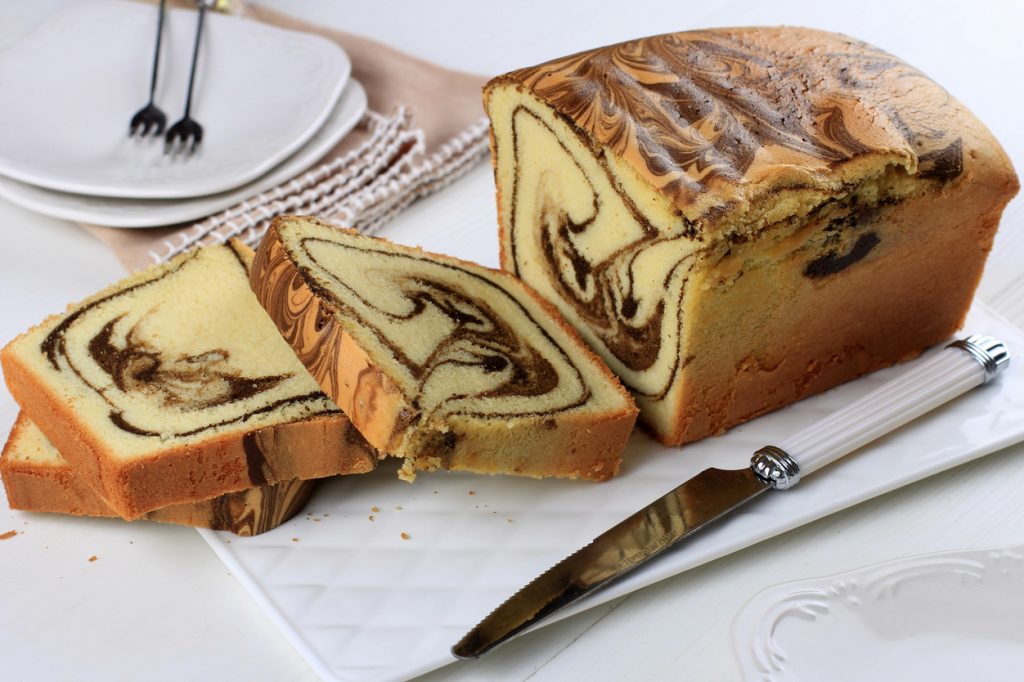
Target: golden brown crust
{"x":53,"y":487}
{"x":384,"y":415}
{"x":823,"y":333}
{"x":812,"y":207}
{"x":718,"y":117}
{"x":345,"y":373}
{"x":311,"y":448}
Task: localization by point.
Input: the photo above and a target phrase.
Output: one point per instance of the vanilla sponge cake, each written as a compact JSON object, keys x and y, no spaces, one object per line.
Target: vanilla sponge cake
{"x":442,"y":362}
{"x":36,"y":478}
{"x":737,"y":218}
{"x":174,"y":386}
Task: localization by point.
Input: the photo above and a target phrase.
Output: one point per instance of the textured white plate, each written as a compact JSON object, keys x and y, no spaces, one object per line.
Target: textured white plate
{"x":70,"y":88}
{"x":362,"y":603}
{"x":117,"y":212}
{"x":942,"y":617}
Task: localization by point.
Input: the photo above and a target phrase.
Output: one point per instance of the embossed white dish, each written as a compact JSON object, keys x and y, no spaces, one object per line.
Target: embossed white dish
{"x":121,"y":212}
{"x":361,"y":602}
{"x":940,"y":617}
{"x":71,"y":86}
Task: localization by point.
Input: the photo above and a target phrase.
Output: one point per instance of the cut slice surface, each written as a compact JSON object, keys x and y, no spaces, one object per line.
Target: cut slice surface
{"x":174,"y":386}
{"x":737,"y":218}
{"x":443,"y":362}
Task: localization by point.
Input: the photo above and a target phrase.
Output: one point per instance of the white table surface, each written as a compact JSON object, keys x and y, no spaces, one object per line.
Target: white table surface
{"x":157,"y":604}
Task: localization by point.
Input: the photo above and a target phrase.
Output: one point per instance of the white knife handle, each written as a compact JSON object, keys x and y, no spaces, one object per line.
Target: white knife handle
{"x":958,"y":368}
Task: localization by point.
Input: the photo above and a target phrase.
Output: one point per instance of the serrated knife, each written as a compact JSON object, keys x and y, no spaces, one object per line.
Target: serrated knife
{"x":713,"y":493}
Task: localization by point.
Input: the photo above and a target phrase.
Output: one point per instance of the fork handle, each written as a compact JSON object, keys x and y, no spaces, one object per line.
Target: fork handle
{"x":195,"y":56}
{"x":156,"y":51}
{"x":958,"y":368}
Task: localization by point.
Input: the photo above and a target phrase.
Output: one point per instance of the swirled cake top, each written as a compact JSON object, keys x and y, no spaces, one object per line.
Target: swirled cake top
{"x":739,"y":112}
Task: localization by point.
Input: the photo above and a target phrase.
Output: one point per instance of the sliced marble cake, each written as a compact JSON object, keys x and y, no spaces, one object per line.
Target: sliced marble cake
{"x":737,"y":218}
{"x":173,"y":386}
{"x":442,"y":362}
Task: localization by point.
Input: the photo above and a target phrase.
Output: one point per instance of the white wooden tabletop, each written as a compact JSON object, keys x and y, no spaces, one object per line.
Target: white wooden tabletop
{"x":157,"y":603}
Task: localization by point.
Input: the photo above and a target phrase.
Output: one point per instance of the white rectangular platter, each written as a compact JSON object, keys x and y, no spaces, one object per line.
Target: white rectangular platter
{"x":379,"y":578}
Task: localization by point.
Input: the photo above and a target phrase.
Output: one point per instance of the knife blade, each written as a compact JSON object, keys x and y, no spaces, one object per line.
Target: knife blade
{"x":713,"y":493}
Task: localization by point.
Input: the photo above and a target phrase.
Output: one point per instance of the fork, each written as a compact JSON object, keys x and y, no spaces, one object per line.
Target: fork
{"x":186,"y":134}
{"x":150,"y":116}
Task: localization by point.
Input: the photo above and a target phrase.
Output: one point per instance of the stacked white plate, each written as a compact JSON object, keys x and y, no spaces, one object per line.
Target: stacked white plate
{"x":271,"y":102}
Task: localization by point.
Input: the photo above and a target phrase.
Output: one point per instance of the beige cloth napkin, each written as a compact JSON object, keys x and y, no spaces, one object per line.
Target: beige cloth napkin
{"x":424,"y":128}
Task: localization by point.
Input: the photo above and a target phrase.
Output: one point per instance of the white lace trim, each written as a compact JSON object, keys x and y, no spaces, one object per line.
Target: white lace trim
{"x":362,"y":189}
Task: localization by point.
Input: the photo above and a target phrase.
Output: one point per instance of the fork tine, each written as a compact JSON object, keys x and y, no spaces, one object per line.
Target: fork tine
{"x":187,"y":131}
{"x":150,"y":115}
{"x":174,"y":140}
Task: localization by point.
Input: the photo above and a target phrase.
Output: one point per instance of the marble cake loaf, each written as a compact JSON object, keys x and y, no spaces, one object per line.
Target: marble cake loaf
{"x":173,"y":386}
{"x":442,"y":362}
{"x":36,"y":478}
{"x":738,"y":218}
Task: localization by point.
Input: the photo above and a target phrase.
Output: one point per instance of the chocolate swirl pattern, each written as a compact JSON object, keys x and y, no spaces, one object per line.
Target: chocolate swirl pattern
{"x":454,"y":352}
{"x":301,"y":318}
{"x":439,"y":361}
{"x":651,"y":189}
{"x":597,"y":256}
{"x":153,"y":377}
{"x":696,"y":110}
{"x":255,"y":511}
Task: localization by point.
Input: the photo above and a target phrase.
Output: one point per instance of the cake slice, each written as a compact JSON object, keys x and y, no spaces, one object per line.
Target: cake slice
{"x":173,"y":386}
{"x":36,"y":478}
{"x":738,"y":218}
{"x":442,"y":362}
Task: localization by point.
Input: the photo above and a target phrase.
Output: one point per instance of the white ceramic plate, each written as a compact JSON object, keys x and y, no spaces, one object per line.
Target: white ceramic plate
{"x":70,"y":88}
{"x":362,"y":603}
{"x":116,"y":212}
{"x":942,"y":617}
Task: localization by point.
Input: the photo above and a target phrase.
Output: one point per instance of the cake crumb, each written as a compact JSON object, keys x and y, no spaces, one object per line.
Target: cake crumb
{"x":375,"y":509}
{"x":295,"y":539}
{"x":405,"y":536}
{"x":509,"y":520}
{"x":93,"y":558}
{"x":472,"y":492}
{"x":8,"y":535}
{"x":398,"y":508}
{"x":370,"y":517}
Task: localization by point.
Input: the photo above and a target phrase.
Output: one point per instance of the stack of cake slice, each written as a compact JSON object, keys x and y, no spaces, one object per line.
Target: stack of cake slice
{"x":171,"y":396}
{"x":174,"y":396}
{"x":37,"y":478}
